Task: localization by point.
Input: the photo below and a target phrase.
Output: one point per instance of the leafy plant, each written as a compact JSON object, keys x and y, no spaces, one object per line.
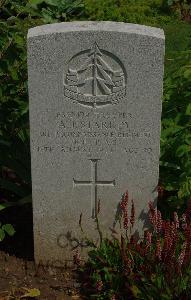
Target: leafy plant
{"x":6,"y":229}
{"x":16,"y":18}
{"x":175,"y":169}
{"x":51,"y":11}
{"x":21,"y":293}
{"x":157,"y":266}
{"x":181,"y":7}
{"x":133,"y":11}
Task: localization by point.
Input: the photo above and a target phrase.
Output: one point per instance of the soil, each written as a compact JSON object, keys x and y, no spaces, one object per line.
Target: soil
{"x":18,"y":271}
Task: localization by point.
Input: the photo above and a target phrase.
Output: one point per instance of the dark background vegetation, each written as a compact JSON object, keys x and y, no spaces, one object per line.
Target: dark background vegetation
{"x":17,"y":16}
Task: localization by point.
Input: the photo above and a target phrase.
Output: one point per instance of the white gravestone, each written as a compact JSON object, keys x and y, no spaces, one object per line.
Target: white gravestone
{"x":95,"y":93}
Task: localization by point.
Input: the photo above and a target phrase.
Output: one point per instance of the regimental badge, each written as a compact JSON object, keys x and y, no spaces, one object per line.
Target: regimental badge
{"x":94,"y":78}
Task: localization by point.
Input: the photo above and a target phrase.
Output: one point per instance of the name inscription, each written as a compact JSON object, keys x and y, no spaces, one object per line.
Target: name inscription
{"x":91,"y":132}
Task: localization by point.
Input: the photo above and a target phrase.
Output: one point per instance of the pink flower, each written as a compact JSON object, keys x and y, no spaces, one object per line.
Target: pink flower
{"x":77,"y":258}
{"x":99,"y":285}
{"x":158,"y":249}
{"x":187,"y":255}
{"x":173,"y":231}
{"x":151,"y":208}
{"x":167,"y":235}
{"x":159,"y":221}
{"x":188,"y":234}
{"x":184,"y":223}
{"x":148,"y":239}
{"x":182,"y":254}
{"x":124,"y":201}
{"x":124,"y":208}
{"x":176,"y":220}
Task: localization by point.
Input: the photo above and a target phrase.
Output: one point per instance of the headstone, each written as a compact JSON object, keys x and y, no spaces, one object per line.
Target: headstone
{"x":95,"y":93}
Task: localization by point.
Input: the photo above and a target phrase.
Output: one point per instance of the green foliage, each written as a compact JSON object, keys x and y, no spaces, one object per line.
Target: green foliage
{"x":106,"y":266}
{"x":157,"y":266}
{"x":107,"y":275}
{"x":16,"y":18}
{"x":15,"y":179}
{"x":181,"y":8}
{"x":133,"y":11}
{"x":176,"y":129}
{"x":177,"y":40}
{"x":51,"y":11}
{"x":6,"y":229}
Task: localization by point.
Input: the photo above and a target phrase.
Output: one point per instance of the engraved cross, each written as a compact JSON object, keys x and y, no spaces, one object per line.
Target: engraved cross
{"x":94,"y":183}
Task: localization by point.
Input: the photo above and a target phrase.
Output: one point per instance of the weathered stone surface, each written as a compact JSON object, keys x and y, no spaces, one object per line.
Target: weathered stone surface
{"x":95,"y":93}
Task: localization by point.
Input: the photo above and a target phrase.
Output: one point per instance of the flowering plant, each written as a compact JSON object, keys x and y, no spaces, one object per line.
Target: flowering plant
{"x":157,"y":266}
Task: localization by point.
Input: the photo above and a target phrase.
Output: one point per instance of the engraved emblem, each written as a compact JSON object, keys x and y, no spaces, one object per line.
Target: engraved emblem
{"x":95,"y":77}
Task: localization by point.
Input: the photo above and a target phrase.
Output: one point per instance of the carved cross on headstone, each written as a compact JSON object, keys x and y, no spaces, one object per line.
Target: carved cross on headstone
{"x":94,"y":183}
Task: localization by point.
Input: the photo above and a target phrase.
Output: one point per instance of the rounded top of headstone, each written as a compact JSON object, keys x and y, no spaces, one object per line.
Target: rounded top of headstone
{"x":96,"y":26}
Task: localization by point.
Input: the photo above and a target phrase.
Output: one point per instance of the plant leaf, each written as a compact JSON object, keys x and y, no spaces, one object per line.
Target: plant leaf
{"x":188,"y":110}
{"x":2,"y":235}
{"x":182,"y":150}
{"x":9,"y":229}
{"x":31,"y":293}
